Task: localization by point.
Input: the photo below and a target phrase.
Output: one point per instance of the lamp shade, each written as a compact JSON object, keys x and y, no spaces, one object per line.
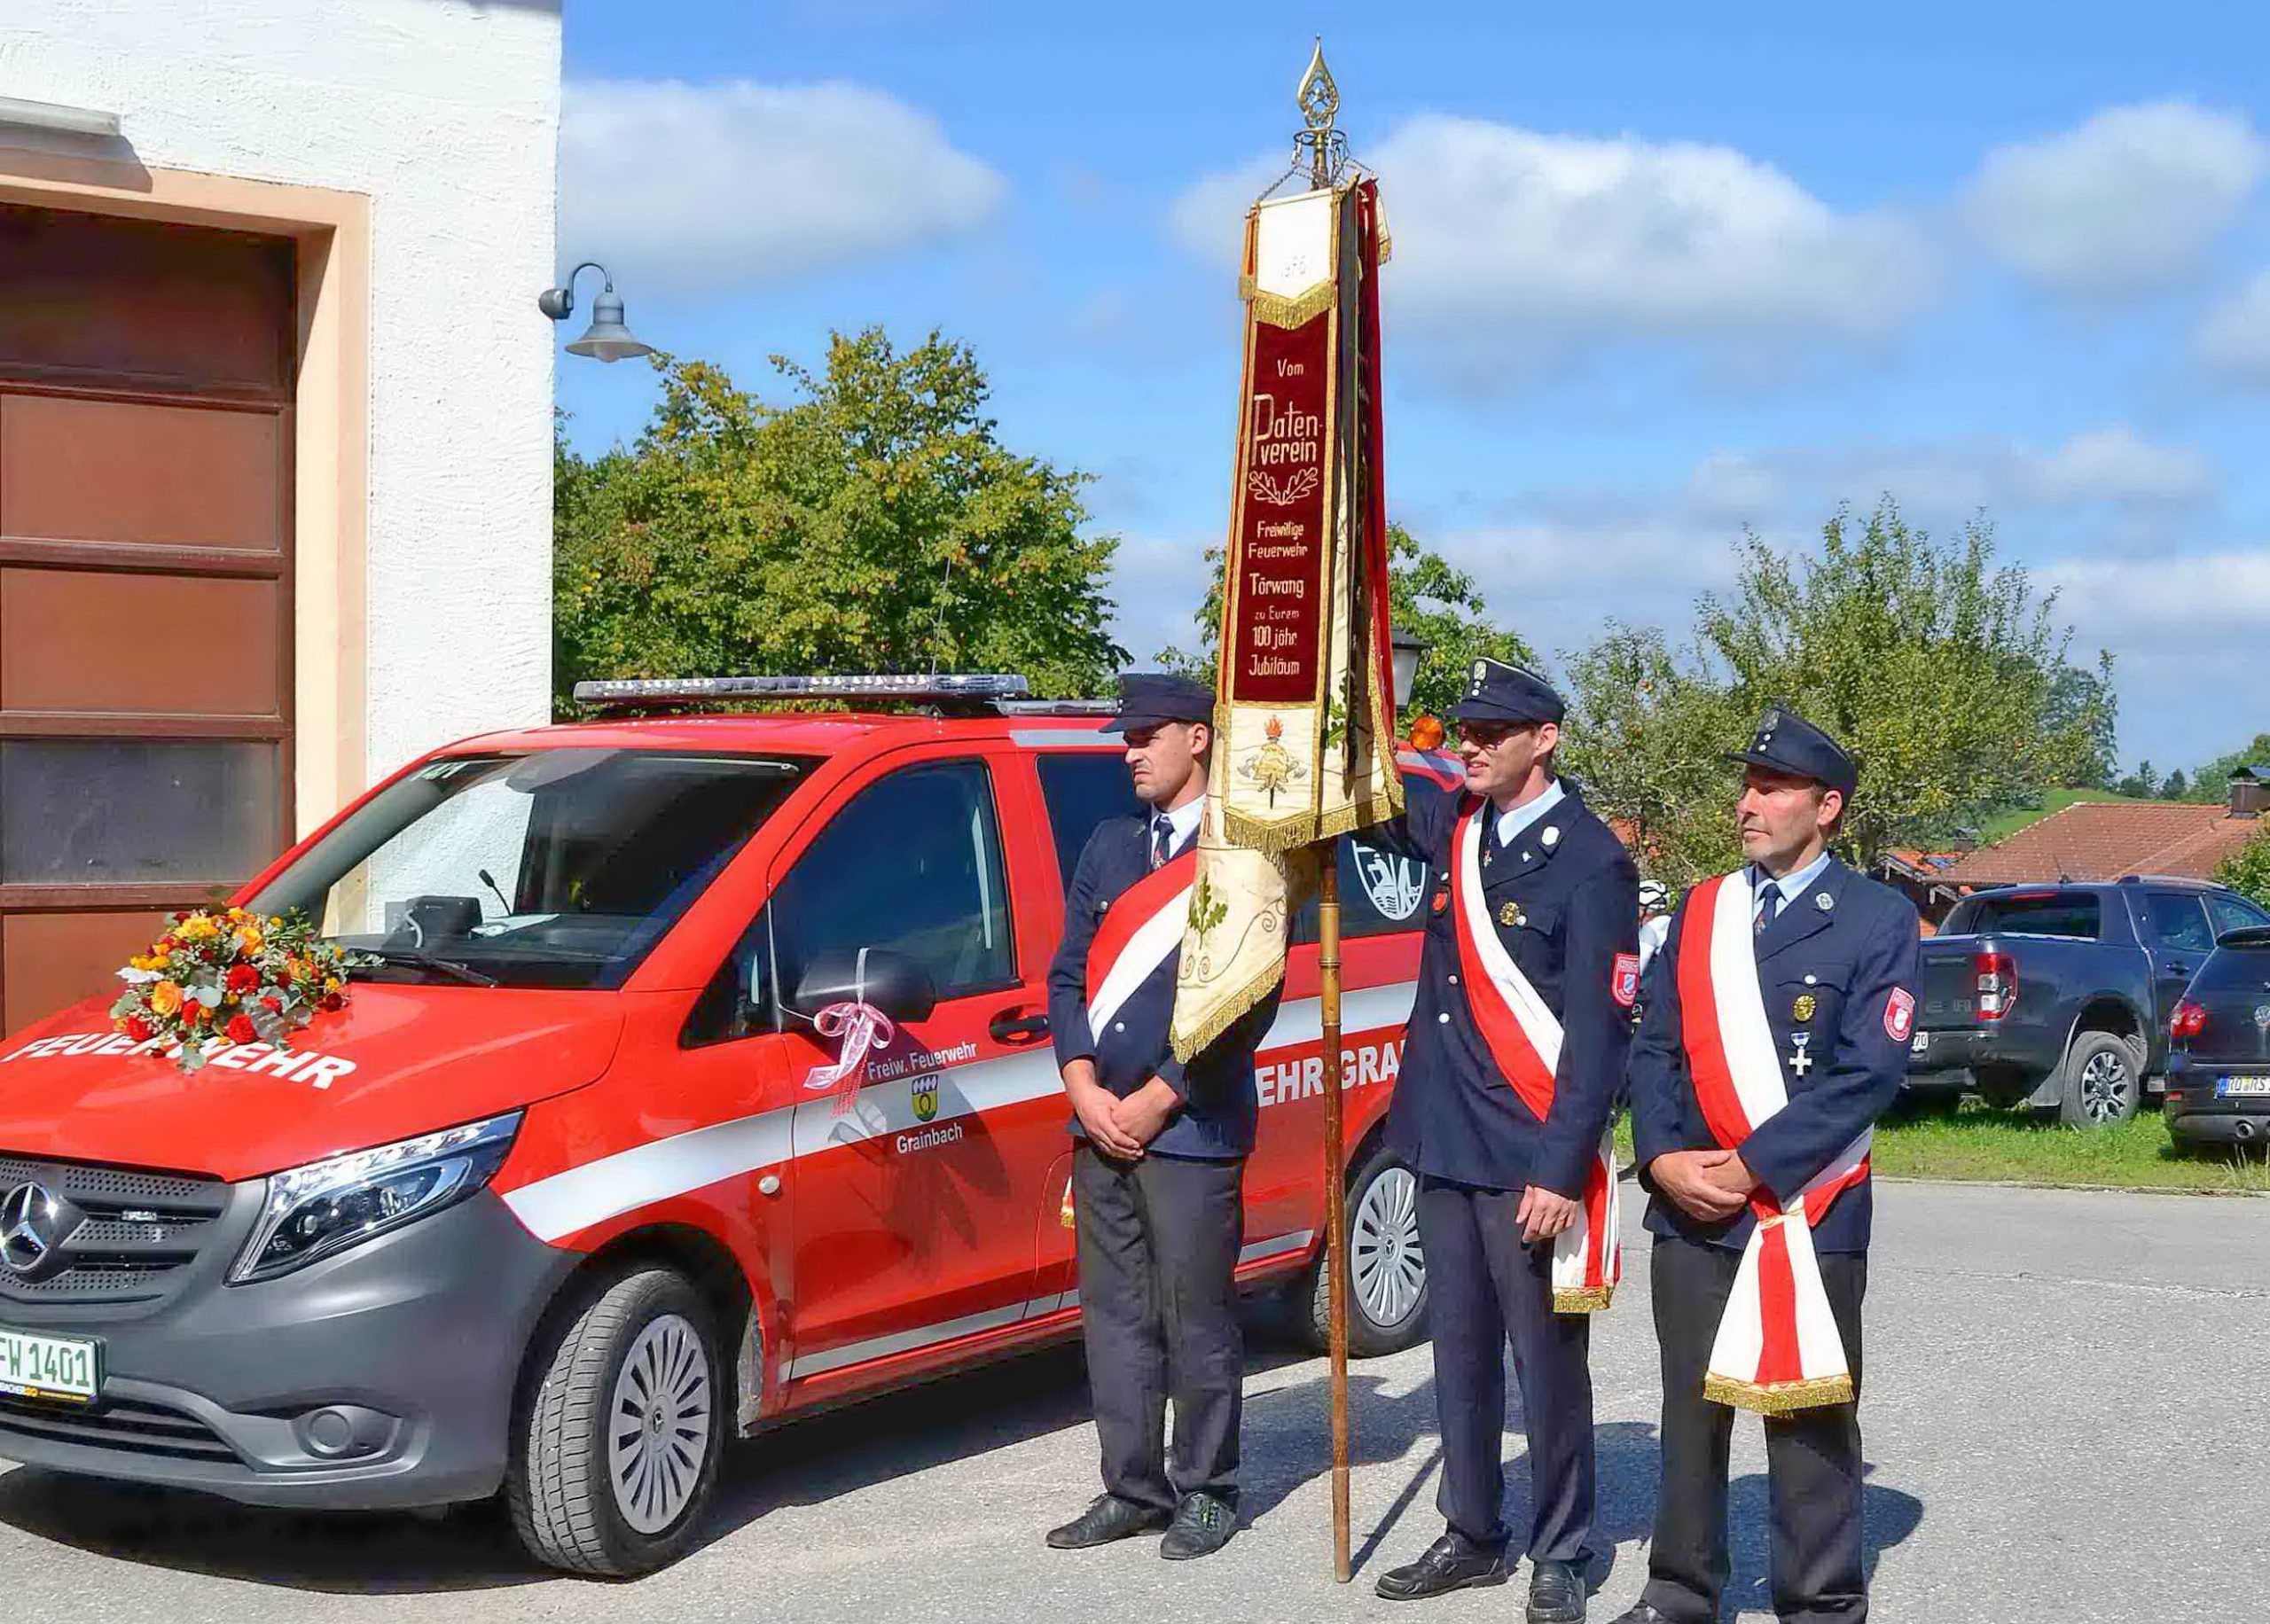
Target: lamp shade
{"x":607,"y":339}
{"x":1403,"y":651}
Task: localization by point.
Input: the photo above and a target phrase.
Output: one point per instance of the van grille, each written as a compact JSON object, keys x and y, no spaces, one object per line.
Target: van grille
{"x":138,"y":1429}
{"x":134,"y":1235}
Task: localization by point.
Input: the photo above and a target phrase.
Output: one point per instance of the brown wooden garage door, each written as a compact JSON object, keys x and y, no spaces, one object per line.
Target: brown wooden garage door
{"x":145,"y":584}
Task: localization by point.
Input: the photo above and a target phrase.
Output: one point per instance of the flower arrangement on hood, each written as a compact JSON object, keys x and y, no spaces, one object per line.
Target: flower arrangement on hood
{"x":225,"y":976}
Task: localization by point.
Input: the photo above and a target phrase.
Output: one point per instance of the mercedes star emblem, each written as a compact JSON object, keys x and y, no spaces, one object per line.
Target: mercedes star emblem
{"x":30,"y":1225}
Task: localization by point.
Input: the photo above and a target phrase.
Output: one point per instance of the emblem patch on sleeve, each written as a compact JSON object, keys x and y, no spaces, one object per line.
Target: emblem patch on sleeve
{"x":1624,"y":979}
{"x":1899,"y":1014}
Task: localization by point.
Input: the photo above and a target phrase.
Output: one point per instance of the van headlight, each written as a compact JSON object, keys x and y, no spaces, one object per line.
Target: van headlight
{"x":327,"y":1207}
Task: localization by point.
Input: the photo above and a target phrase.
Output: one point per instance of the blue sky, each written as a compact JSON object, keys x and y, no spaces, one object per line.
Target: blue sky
{"x":1661,"y":271}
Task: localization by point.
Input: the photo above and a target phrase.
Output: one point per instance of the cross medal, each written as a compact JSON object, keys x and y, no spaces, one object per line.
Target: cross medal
{"x":1800,"y":1063}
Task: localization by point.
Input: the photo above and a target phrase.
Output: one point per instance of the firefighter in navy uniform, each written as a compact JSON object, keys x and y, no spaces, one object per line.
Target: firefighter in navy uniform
{"x":1157,"y":1179}
{"x":1498,"y":1185}
{"x":1836,"y":957}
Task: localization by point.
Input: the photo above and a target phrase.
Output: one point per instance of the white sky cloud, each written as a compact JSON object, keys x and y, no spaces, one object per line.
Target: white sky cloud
{"x":2112,"y":467}
{"x":704,"y":189}
{"x":2126,"y":202}
{"x":1514,"y":248}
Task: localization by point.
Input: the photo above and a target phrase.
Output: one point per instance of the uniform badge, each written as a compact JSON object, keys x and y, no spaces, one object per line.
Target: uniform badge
{"x":1804,"y":1008}
{"x":1512,"y":914}
{"x":1442,"y":898}
{"x":1624,"y":979}
{"x":1551,"y":837}
{"x":1899,"y":1015}
{"x":1824,"y":902}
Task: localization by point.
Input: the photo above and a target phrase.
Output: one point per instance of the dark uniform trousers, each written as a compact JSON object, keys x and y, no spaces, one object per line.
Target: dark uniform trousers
{"x":1469,"y":1235}
{"x":1812,"y":1456}
{"x":1159,"y":1244}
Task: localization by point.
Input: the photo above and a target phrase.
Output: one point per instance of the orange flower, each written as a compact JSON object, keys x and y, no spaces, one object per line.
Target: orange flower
{"x":165,"y":998}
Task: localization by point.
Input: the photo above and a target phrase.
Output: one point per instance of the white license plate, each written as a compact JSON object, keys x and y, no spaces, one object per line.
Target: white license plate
{"x":1922,"y":1044}
{"x":2227,"y":1087}
{"x":68,"y":1369}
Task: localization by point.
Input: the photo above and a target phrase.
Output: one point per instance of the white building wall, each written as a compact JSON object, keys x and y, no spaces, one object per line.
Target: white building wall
{"x":445,"y":114}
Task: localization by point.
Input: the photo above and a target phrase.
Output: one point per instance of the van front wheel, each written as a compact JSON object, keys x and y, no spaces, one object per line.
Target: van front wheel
{"x":1387,"y":1267}
{"x":617,"y":1449}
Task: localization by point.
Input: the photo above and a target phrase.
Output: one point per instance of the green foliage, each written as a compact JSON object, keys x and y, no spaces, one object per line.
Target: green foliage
{"x":2212,"y":781}
{"x":875,"y":523}
{"x":1428,"y":596}
{"x":1940,"y":671}
{"x":2247,"y":870}
{"x":2143,"y":783}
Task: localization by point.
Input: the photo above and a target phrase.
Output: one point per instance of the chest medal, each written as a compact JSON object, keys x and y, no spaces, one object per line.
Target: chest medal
{"x":1511,"y":914}
{"x":1804,"y":1008}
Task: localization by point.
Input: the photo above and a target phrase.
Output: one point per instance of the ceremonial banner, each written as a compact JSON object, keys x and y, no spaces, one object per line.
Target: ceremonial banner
{"x":1305,"y":721}
{"x":1778,"y":1348}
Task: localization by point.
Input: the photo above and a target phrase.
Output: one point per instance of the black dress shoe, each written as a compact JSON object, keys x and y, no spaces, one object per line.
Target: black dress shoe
{"x":1556,"y":1593}
{"x":1641,"y":1613}
{"x":1202,"y":1524}
{"x":1109,"y":1518}
{"x":1451,"y":1563}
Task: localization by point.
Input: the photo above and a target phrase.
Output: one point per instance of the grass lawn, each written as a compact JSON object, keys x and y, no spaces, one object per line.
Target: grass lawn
{"x":2012,"y":1147}
{"x":2002,"y":826}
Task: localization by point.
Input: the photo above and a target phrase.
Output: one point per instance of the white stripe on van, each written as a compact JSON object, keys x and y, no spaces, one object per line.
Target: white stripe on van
{"x":568,"y":1203}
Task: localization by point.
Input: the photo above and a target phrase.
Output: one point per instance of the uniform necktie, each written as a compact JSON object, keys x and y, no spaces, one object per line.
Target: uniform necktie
{"x":1162,"y":839}
{"x":1769,"y":908}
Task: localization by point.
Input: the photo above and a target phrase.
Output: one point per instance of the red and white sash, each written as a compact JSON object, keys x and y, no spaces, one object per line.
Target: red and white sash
{"x":1523,"y":1037}
{"x":1778,"y":1349}
{"x":1141,"y":930}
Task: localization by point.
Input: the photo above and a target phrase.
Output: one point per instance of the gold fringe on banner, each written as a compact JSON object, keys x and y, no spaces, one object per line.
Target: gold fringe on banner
{"x":1583,"y":1299}
{"x":1278,"y":310}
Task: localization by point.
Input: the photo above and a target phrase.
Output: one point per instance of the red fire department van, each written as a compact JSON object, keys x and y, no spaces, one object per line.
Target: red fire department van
{"x":554,"y":1206}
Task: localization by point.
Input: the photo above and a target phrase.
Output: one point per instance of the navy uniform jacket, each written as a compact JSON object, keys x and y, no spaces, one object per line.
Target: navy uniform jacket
{"x":1849,"y":957}
{"x":1217,"y":1119}
{"x":1455,"y":1116}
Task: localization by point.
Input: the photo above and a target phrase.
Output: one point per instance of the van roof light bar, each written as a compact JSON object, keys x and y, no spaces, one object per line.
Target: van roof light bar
{"x":978,"y":688}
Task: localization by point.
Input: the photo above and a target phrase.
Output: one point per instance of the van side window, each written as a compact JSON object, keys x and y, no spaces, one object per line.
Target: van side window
{"x":913,"y":864}
{"x":1382,"y":891}
{"x":1081,"y":789}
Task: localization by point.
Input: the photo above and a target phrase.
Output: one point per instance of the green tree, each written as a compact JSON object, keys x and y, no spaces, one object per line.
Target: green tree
{"x":1429,"y":597}
{"x":2082,"y":698}
{"x":2142,"y":784}
{"x":872,"y":523}
{"x":2176,"y":786}
{"x":2247,"y":870}
{"x":2212,"y":781}
{"x":1937,"y":668}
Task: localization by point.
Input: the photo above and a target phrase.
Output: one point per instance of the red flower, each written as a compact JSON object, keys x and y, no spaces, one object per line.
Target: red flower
{"x":335,"y":1001}
{"x":241,"y":1030}
{"x":138,"y":1029}
{"x":243,"y":979}
{"x":275,"y":1005}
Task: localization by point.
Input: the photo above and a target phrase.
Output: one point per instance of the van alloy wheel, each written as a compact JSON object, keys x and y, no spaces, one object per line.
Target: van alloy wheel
{"x":658,"y":1427}
{"x":1387,"y":1265}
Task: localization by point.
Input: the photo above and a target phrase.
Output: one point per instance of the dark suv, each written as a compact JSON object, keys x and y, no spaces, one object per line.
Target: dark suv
{"x":2218,"y":1047}
{"x":2059,"y":997}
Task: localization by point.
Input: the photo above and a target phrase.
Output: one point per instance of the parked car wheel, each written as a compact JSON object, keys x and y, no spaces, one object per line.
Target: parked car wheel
{"x":2103,"y":1081}
{"x":1387,"y":1266}
{"x":616,"y":1455}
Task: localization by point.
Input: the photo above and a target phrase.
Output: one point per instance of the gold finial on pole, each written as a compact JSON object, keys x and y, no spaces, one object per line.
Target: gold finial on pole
{"x":1325,"y":148}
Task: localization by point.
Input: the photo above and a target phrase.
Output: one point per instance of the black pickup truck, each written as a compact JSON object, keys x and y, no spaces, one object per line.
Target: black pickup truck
{"x":2058,"y":997}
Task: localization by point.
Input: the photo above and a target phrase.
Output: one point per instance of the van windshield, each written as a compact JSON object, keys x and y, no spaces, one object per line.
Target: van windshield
{"x":557,"y":868}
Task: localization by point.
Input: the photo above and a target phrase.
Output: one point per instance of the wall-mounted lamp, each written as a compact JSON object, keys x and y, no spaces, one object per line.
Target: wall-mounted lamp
{"x":607,"y":339}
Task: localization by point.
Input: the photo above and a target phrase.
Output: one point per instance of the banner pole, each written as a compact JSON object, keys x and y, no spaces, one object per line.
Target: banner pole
{"x":1336,"y":1193}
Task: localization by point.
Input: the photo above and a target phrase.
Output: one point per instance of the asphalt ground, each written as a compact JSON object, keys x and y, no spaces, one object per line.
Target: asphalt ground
{"x":2067,"y":1417}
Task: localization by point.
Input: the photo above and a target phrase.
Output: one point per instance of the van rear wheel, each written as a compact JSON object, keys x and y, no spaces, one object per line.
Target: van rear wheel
{"x":617,"y":1453}
{"x":1387,"y":1267}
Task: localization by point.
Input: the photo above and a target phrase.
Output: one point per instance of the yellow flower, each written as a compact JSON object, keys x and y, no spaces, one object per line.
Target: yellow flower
{"x":198,"y":927}
{"x":165,"y":998}
{"x":332,"y":984}
{"x":248,"y":940}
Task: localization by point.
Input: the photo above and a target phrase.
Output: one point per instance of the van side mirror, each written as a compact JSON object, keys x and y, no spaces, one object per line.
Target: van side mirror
{"x":892,"y":983}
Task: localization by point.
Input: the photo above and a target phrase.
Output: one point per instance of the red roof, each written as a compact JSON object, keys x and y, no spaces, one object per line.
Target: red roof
{"x":2102,"y":841}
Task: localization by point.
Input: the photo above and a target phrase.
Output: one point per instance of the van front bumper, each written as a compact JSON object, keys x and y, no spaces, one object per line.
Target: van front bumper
{"x":383,"y":1377}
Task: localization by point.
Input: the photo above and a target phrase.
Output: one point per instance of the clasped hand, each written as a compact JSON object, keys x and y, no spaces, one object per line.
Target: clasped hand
{"x":1710,"y":1186}
{"x":1122,"y":1128}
